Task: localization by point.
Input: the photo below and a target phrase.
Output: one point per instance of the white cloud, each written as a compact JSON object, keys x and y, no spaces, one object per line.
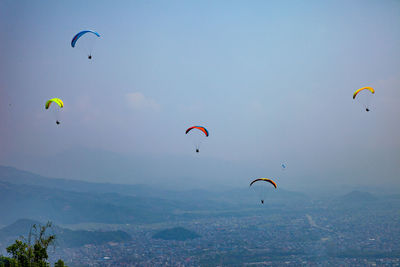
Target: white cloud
{"x":138,"y":101}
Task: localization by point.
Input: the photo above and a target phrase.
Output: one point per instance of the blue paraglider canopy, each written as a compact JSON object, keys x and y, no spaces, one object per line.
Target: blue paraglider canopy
{"x":80,"y":34}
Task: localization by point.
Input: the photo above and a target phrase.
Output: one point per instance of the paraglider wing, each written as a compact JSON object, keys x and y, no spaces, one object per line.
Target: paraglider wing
{"x":264,"y":179}
{"x":58,"y":101}
{"x":364,"y":88}
{"x":80,"y":34}
{"x":201,"y":128}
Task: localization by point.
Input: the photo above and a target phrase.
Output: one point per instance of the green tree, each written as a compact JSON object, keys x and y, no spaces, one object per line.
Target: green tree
{"x":7,"y":262}
{"x":19,"y":252}
{"x":32,"y":252}
{"x":60,"y":263}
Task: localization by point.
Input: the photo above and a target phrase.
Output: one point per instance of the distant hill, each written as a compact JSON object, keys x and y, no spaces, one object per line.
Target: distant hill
{"x":64,"y":237}
{"x":18,"y":228}
{"x":25,"y":194}
{"x":14,"y":176}
{"x":177,"y":233}
{"x":358,"y":196}
{"x":59,"y":206}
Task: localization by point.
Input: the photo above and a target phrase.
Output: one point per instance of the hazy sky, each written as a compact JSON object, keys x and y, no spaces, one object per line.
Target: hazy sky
{"x":271,"y":80}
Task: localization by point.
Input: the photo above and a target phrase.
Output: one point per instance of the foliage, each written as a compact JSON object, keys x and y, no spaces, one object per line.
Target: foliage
{"x":8,"y":262}
{"x":31,"y":252}
{"x":59,"y":263}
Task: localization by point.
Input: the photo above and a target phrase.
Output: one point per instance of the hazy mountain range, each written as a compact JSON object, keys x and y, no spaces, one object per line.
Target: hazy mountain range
{"x":27,"y":195}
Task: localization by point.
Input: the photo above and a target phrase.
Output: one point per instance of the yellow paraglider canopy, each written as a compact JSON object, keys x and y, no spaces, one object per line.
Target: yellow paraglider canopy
{"x":364,"y":88}
{"x":264,"y":179}
{"x":55,"y":100}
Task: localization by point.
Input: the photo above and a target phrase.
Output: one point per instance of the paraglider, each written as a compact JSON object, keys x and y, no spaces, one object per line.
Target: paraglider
{"x":58,"y":102}
{"x":197,"y":133}
{"x":363,"y":95}
{"x":86,"y":41}
{"x":260,"y":186}
{"x":283,"y":165}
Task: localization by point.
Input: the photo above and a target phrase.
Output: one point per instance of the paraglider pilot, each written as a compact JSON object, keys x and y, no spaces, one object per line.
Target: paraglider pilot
{"x":57,"y":122}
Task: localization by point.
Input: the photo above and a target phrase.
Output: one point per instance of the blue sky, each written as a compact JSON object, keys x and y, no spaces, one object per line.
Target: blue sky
{"x":271,"y":80}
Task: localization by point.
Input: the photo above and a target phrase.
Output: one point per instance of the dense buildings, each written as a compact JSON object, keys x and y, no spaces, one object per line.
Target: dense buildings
{"x":320,"y":236}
